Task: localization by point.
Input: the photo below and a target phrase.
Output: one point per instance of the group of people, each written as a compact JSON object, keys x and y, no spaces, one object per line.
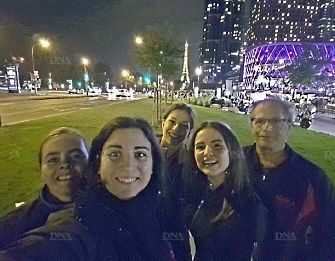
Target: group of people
{"x":135,"y":195}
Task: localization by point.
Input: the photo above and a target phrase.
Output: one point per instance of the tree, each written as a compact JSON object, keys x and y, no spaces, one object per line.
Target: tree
{"x":160,"y":53}
{"x":304,"y":70}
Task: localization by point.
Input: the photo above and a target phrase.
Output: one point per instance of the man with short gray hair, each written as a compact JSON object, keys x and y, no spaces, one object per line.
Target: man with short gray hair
{"x":297,"y":193}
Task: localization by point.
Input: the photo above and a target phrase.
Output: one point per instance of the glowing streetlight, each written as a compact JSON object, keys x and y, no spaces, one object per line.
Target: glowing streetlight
{"x":44,"y":43}
{"x":198,"y":72}
{"x":85,"y":62}
{"x":139,"y":40}
{"x":125,"y":74}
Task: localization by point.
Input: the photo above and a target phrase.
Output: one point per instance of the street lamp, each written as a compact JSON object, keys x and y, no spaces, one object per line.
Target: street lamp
{"x":85,"y":62}
{"x":125,"y":74}
{"x":198,"y":72}
{"x":44,"y":43}
{"x":139,"y":40}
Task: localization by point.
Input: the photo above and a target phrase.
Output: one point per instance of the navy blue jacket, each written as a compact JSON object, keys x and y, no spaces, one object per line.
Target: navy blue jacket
{"x":28,"y":217}
{"x":102,"y":227}
{"x":234,"y":237}
{"x":300,"y":200}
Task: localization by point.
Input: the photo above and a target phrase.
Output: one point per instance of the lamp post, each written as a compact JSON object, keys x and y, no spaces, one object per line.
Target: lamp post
{"x":85,"y":62}
{"x":44,"y":43}
{"x":198,"y":72}
{"x":125,"y":74}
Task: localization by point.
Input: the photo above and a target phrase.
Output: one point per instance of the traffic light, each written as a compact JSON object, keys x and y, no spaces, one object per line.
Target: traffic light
{"x":147,"y":79}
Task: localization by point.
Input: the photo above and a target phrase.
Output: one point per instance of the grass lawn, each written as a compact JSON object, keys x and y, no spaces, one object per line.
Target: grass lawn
{"x":19,"y":170}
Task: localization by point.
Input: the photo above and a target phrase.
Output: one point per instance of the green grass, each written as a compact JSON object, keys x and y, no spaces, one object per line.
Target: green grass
{"x":19,"y":170}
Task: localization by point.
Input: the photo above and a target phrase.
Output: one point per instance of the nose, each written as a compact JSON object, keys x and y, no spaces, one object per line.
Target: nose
{"x":267,"y":125}
{"x":128,"y":162}
{"x":65,"y":163}
{"x":208,"y":151}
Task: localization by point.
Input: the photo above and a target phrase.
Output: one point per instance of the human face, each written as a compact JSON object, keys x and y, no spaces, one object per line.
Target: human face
{"x":126,"y":163}
{"x":175,"y":128}
{"x":269,"y":127}
{"x":211,"y":154}
{"x":63,"y":162}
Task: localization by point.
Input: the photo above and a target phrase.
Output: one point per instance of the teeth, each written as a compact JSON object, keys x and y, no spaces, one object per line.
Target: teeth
{"x":126,"y":180}
{"x":64,"y":177}
{"x":209,"y":162}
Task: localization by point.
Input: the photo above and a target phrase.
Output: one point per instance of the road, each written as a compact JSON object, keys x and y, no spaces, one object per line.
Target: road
{"x":19,"y":109}
{"x":323,"y":124}
{"x":15,"y":109}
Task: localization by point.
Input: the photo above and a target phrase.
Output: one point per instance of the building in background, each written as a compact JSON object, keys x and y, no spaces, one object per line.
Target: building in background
{"x":221,"y":52}
{"x":276,"y":32}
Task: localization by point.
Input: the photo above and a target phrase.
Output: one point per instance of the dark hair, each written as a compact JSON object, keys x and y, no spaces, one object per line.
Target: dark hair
{"x":58,"y":132}
{"x":237,"y":172}
{"x":182,"y":107}
{"x":236,"y":177}
{"x":286,"y":107}
{"x":124,"y":123}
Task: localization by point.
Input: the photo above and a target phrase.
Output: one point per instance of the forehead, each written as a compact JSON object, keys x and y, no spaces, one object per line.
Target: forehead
{"x":268,"y":110}
{"x":208,"y":135}
{"x":127,"y":137}
{"x":63,"y":143}
{"x":180,"y":115}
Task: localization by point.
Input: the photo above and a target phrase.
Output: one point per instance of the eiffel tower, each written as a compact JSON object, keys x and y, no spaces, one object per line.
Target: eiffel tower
{"x":185,"y":77}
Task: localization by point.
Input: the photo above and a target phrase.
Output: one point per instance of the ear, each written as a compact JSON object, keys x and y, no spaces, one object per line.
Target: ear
{"x":163,"y":124}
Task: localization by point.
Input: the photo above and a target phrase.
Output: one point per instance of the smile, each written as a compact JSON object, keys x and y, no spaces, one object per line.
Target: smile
{"x":64,"y":177}
{"x":209,"y":162}
{"x":127,"y":180}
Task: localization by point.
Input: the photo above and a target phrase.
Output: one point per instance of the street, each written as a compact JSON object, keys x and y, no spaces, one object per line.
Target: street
{"x":323,"y":124}
{"x":17,"y":109}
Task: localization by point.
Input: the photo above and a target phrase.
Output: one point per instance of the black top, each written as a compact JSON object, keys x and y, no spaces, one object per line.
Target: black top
{"x":232,"y":237}
{"x":300,"y":200}
{"x":29,"y":216}
{"x":102,"y":227}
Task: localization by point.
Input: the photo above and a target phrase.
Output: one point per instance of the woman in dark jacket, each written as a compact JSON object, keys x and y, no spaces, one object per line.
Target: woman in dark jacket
{"x":122,"y":215}
{"x":227,"y":219}
{"x":63,"y":162}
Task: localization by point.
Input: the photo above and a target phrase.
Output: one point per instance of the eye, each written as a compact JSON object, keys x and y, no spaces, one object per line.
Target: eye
{"x":172,"y":122}
{"x":77,"y":156}
{"x":114,"y":155}
{"x":52,"y":160}
{"x":140,"y":155}
{"x":217,"y":146}
{"x":199,"y":146}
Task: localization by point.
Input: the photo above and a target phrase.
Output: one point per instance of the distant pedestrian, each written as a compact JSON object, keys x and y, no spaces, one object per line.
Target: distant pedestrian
{"x":63,"y":161}
{"x":297,"y":193}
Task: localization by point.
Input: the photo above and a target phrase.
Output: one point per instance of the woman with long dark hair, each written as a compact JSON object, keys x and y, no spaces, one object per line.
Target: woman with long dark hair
{"x":228,"y":221}
{"x":122,"y":213}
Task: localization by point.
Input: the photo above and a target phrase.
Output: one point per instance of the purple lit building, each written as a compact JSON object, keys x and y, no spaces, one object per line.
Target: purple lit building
{"x":262,"y":62}
{"x":277,"y":30}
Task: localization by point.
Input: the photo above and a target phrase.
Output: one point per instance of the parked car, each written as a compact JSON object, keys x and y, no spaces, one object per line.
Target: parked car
{"x":76,"y":91}
{"x":122,"y":93}
{"x":95,"y":90}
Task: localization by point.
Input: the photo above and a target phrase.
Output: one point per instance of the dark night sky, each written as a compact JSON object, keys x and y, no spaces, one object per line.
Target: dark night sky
{"x":103,"y":30}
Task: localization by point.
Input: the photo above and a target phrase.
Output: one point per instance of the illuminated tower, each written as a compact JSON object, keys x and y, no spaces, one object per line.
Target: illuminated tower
{"x":185,"y":77}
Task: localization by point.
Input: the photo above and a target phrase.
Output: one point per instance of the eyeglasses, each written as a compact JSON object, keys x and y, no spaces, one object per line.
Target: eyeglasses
{"x":260,"y":122}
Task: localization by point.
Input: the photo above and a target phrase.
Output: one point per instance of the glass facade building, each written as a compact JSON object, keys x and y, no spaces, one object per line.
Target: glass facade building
{"x":221,"y":50}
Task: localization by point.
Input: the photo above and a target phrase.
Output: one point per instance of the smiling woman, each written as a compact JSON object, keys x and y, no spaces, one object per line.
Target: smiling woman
{"x":63,"y":161}
{"x":122,"y":214}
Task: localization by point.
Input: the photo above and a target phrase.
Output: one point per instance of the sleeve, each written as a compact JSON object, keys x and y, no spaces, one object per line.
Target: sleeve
{"x":324,"y":229}
{"x":51,"y":242}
